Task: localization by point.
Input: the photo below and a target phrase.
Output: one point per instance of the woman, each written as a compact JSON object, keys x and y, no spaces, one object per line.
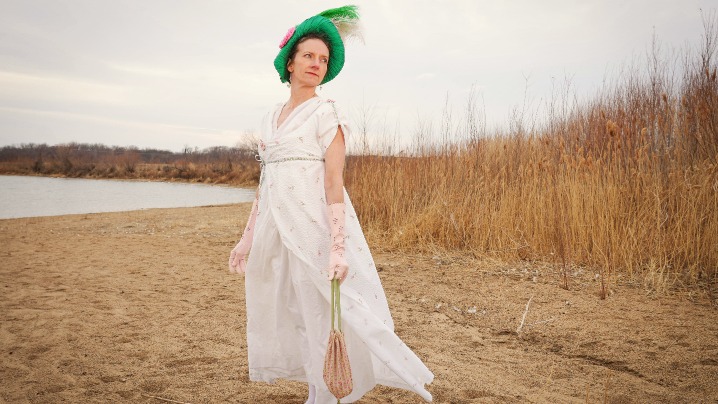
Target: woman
{"x":304,"y":232}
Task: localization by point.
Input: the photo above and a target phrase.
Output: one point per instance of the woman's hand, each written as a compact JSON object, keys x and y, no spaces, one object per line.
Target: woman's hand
{"x":338,"y":267}
{"x":238,"y":256}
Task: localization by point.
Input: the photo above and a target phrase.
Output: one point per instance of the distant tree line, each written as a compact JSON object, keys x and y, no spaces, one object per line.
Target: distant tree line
{"x":218,"y":164}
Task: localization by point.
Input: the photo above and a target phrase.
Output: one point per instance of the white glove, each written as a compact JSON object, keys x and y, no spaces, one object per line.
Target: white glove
{"x":238,"y":256}
{"x":338,"y":267}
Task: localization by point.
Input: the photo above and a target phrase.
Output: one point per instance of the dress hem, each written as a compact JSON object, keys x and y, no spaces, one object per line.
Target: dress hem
{"x":298,"y":375}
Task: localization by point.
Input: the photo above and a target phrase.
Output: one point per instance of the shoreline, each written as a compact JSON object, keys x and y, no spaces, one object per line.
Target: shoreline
{"x":140,"y":179}
{"x":118,"y":306}
{"x":71,"y":215}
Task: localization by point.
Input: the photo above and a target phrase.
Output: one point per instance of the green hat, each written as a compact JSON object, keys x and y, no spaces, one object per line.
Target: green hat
{"x":336,"y":25}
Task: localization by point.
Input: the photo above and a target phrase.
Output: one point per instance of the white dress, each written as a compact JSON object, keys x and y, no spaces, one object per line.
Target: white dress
{"x":287,"y":291}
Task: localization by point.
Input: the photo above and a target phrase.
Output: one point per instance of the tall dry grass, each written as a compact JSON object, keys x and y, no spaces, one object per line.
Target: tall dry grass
{"x":626,"y":182}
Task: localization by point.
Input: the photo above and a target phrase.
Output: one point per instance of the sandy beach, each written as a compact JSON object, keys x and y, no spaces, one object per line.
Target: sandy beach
{"x":139,"y":307}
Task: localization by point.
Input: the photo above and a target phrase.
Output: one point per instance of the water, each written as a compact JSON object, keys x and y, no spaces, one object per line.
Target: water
{"x":22,"y":196}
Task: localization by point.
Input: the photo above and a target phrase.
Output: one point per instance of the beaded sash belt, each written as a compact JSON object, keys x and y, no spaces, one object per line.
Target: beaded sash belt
{"x":263,"y":163}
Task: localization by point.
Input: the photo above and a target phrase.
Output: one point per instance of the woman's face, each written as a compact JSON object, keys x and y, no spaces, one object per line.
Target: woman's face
{"x":309,"y":65}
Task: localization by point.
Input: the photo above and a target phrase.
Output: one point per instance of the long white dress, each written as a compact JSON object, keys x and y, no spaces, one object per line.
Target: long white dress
{"x":287,"y":291}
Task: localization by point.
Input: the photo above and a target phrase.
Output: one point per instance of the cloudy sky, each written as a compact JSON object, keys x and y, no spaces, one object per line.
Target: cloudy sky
{"x":175,"y":73}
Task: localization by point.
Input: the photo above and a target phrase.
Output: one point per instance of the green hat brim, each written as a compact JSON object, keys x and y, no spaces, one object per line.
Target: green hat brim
{"x":316,"y":24}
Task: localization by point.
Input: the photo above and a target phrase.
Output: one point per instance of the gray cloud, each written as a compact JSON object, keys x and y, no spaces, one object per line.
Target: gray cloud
{"x":173,"y":73}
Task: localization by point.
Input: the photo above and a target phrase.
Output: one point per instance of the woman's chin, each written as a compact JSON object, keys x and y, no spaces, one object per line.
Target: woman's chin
{"x":314,"y":79}
{"x":310,"y":83}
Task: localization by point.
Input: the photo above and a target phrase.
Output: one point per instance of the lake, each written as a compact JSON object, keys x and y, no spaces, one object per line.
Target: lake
{"x":23,"y":196}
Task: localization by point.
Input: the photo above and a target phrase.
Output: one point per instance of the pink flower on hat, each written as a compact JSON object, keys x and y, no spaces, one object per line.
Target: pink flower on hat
{"x":284,"y":41}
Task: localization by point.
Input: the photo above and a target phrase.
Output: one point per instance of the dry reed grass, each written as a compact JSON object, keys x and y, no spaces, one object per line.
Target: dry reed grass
{"x":625,"y":183}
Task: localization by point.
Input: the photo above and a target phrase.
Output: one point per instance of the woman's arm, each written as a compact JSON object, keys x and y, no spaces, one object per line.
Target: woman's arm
{"x":334,"y":169}
{"x":334,"y":189}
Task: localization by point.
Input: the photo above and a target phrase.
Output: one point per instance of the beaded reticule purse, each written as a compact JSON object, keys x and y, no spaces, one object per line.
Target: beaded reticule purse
{"x":337,"y":371}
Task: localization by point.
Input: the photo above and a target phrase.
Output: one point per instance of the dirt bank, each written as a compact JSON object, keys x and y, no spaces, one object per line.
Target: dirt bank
{"x":119,"y":307}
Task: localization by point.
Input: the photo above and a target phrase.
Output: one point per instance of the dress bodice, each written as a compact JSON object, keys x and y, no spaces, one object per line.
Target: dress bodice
{"x":291,"y":185}
{"x":306,"y":132}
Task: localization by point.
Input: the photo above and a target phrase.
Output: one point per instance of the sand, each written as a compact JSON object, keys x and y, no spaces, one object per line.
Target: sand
{"x":119,"y":307}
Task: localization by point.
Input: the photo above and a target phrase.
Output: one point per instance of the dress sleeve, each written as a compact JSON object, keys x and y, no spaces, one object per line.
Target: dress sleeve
{"x":331,"y":118}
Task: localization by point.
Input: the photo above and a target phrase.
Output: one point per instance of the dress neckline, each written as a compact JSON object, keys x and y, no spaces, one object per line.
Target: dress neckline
{"x":275,"y":126}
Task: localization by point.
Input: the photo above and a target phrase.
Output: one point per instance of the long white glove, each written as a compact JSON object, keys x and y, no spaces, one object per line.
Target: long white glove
{"x":238,"y":256}
{"x":338,"y":267}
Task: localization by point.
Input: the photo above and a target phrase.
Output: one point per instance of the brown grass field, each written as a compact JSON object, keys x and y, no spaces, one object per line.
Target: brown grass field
{"x":626,"y":183}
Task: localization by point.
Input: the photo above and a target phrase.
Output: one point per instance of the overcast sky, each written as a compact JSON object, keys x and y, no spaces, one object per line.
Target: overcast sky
{"x":174,"y":73}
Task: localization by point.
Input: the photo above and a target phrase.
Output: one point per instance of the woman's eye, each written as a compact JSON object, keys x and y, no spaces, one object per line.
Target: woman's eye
{"x":325,"y":60}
